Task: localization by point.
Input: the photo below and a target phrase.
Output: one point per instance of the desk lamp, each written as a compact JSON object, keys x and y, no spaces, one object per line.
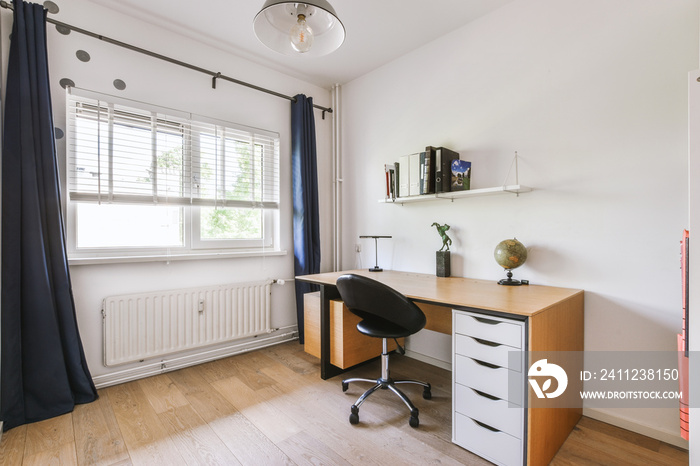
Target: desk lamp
{"x":376,"y":262}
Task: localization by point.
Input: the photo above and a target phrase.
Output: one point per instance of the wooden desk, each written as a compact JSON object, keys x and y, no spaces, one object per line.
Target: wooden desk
{"x":553,"y":319}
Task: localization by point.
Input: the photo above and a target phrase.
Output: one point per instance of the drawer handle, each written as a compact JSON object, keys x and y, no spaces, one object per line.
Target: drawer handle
{"x":484,"y":320}
{"x":485,"y":395}
{"x":485,"y":364}
{"x":485,"y":426}
{"x":485,"y":342}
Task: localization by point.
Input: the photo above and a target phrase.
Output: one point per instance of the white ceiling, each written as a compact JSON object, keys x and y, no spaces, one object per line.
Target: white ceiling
{"x":378,"y":31}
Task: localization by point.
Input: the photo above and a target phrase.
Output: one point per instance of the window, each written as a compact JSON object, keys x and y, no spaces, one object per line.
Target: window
{"x":147,"y":180}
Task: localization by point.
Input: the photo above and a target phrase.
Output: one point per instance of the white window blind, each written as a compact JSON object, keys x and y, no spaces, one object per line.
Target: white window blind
{"x":126,"y":152}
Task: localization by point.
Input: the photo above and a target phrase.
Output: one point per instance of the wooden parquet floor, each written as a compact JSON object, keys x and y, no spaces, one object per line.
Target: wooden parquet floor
{"x":270,"y":407}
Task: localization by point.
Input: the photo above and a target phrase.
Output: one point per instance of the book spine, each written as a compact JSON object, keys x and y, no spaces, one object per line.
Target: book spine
{"x":388,"y":186}
{"x":443,"y":168}
{"x":396,"y":179}
{"x":430,"y":169}
{"x":414,"y":175}
{"x":421,"y":170}
{"x":403,"y":176}
{"x":438,"y":170}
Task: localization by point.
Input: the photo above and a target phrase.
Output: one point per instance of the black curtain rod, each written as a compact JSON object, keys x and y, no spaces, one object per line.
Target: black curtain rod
{"x":213,"y":74}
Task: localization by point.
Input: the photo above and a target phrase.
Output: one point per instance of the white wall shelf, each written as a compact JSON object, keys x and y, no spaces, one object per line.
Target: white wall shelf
{"x":516,"y":189}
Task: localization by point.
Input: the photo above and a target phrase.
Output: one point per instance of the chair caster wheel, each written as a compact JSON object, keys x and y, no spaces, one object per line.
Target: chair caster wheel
{"x":345,"y":386}
{"x":413,"y":421}
{"x":427,"y":395}
{"x":354,"y":415}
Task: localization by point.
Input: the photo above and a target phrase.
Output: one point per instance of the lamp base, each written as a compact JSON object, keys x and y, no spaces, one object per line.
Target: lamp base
{"x":376,"y":269}
{"x":509,"y":281}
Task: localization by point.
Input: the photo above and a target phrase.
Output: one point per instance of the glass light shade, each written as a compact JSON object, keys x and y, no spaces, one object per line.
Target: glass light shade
{"x":273,"y":26}
{"x":301,"y":35}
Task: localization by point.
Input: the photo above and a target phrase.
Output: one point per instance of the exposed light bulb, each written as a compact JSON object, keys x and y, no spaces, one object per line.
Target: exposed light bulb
{"x":301,"y":35}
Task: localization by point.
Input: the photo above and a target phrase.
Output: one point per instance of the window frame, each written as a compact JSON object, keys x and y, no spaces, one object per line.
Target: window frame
{"x":193,"y":245}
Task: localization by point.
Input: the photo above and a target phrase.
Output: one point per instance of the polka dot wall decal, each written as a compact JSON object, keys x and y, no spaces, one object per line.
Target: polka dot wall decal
{"x":65,"y":82}
{"x":62,"y":29}
{"x":58,"y":132}
{"x":82,"y":55}
{"x":51,"y":6}
{"x":119,"y":84}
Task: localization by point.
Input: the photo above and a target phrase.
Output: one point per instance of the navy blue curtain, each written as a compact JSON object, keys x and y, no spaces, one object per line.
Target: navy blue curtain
{"x":43,"y":372}
{"x":307,"y":241}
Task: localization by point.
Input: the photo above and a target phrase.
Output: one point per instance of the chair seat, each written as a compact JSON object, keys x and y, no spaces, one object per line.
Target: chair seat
{"x":381,"y":328}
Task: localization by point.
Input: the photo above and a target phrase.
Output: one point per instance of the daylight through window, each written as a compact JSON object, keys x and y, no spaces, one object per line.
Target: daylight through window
{"x":147,"y":179}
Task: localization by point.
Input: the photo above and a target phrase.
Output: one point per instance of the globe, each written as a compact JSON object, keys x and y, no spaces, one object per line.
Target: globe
{"x":510,"y":254}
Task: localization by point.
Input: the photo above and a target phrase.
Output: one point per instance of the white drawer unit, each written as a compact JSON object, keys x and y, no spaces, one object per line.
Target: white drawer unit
{"x":495,"y":381}
{"x":488,"y":409}
{"x":489,"y":352}
{"x":493,"y":329}
{"x":488,"y":386}
{"x":493,"y":445}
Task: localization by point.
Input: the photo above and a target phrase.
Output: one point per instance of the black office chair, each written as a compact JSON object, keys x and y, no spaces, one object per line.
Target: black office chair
{"x":385,"y":313}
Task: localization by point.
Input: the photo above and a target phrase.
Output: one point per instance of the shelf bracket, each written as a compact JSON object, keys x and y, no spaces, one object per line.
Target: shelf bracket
{"x":517,"y":181}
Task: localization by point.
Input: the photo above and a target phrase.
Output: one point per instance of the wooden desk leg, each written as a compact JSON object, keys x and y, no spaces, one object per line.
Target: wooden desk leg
{"x":328,"y":370}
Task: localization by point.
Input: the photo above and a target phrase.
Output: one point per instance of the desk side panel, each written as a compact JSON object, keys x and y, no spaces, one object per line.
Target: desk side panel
{"x":437,"y":318}
{"x":312,"y":323}
{"x":349,"y":347}
{"x":558,"y":328}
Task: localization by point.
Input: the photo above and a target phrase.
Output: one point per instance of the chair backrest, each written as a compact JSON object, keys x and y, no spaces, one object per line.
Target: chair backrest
{"x":370,"y":299}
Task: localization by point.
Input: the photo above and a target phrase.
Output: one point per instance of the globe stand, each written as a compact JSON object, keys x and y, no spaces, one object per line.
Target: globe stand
{"x":509,"y":281}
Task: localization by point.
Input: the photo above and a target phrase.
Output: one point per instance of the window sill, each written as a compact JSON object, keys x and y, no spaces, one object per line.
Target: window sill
{"x":95,"y":260}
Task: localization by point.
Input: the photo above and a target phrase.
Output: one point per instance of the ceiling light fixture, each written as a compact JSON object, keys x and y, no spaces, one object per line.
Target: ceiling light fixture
{"x":312,"y":28}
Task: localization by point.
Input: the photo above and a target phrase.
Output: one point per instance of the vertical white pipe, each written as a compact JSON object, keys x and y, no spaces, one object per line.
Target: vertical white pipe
{"x":3,"y":59}
{"x":337,"y":179}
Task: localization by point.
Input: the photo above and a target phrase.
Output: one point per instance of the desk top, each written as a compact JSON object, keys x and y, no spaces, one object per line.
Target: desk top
{"x":526,"y":300}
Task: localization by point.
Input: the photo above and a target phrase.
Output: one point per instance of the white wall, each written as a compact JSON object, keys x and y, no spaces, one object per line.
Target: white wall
{"x":160,"y":83}
{"x":593,"y":96}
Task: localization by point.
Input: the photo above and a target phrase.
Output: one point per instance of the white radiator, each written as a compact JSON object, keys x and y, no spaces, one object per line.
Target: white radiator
{"x":147,"y":325}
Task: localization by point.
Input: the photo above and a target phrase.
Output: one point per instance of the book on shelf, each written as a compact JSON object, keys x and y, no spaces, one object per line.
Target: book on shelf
{"x":461,"y":175}
{"x":390,"y":175}
{"x":386,"y":174}
{"x":421,"y":171}
{"x":427,"y":170}
{"x":403,"y":176}
{"x":443,"y":168}
{"x":408,"y":175}
{"x":396,"y":179}
{"x":414,"y":174}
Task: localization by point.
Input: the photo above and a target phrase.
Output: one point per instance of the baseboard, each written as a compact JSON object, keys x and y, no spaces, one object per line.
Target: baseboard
{"x":669,"y":437}
{"x":427,"y":359}
{"x":176,"y":362}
